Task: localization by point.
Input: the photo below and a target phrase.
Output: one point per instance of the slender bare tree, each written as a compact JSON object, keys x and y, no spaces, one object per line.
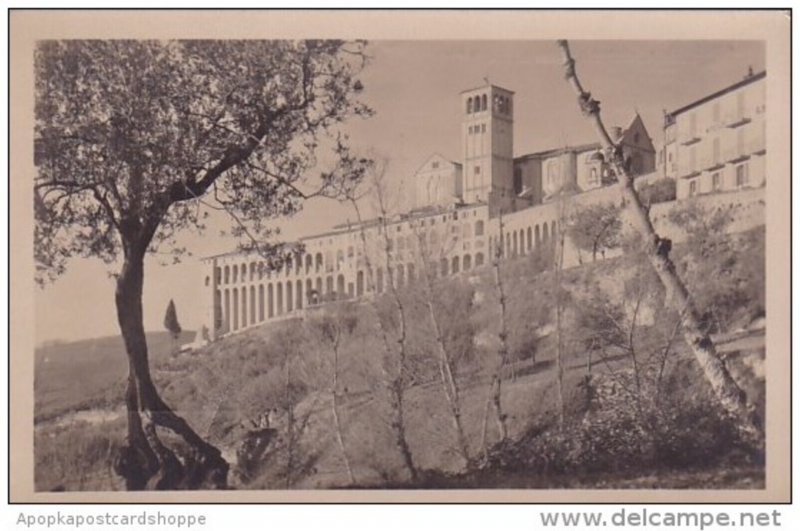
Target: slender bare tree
{"x":395,"y":359}
{"x":731,"y":397}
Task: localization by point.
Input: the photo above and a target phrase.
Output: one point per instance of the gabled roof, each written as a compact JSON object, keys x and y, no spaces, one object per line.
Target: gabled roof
{"x":439,"y":157}
{"x":730,"y":88}
{"x":488,"y":85}
{"x":559,"y":151}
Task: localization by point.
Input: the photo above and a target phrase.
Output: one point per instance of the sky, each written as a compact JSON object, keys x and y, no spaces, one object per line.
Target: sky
{"x":414,"y":87}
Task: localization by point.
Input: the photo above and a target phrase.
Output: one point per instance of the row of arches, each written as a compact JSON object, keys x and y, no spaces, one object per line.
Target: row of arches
{"x":524,"y":240}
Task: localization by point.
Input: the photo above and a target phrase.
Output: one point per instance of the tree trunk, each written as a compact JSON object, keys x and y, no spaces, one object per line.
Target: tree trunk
{"x":145,"y":462}
{"x":496,"y":391}
{"x":335,"y":412}
{"x":730,"y":396}
{"x":449,"y":383}
{"x":559,"y":331}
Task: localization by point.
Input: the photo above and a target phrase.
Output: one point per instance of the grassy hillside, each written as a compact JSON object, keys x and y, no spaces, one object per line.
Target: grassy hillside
{"x":672,"y":437}
{"x":68,"y":375}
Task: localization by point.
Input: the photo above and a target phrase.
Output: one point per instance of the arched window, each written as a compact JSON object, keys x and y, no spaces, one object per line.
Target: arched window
{"x":455,"y":267}
{"x":479,"y":228}
{"x":279,"y":298}
{"x":400,"y":275}
{"x":515,"y":248}
{"x":483,"y":102}
{"x":340,"y":286}
{"x":244,"y":272}
{"x":235,"y":270}
{"x":289,"y":298}
{"x":530,"y":240}
{"x":444,"y":267}
{"x":478,"y":259}
{"x":467,"y":262}
{"x":309,"y":263}
{"x":537,"y":238}
{"x":544,"y":233}
{"x":469,"y":105}
{"x":319,"y":262}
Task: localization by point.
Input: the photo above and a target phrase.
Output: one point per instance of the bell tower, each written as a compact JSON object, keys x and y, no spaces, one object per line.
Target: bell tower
{"x":487,"y":137}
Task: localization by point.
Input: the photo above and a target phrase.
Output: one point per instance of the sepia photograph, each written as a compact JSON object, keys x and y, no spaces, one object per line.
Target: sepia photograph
{"x":396,"y":263}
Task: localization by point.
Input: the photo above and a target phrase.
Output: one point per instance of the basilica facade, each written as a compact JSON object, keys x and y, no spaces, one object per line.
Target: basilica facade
{"x":489,"y":203}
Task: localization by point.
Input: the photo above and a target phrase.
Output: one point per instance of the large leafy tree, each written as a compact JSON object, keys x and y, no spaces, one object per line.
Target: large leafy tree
{"x":596,"y":227}
{"x":136,"y":140}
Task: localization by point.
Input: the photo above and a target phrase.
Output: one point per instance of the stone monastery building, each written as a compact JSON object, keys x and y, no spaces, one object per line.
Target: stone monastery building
{"x":454,"y":227}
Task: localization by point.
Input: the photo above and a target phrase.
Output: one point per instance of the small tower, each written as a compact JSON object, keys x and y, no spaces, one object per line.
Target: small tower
{"x":488,"y":145}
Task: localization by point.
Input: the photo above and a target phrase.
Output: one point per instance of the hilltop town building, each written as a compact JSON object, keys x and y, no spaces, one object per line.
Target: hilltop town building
{"x":718,"y":142}
{"x":454,"y":227}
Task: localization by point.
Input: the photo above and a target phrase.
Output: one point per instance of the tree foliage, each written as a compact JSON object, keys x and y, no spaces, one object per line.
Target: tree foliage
{"x":131,"y":134}
{"x":596,"y":227}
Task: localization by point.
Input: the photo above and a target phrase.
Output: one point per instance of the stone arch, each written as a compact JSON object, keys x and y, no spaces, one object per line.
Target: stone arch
{"x":252,"y":305}
{"x":329,"y":287}
{"x":340,"y":291}
{"x":270,"y":301}
{"x":537,"y":236}
{"x":227,"y":318}
{"x":235,"y":309}
{"x":553,"y":229}
{"x":514,"y":244}
{"x":545,"y":236}
{"x":261,"y":303}
{"x":279,"y":298}
{"x":299,"y":295}
{"x":289,"y":297}
{"x":530,"y":240}
{"x":244,"y":307}
{"x":508,"y":244}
